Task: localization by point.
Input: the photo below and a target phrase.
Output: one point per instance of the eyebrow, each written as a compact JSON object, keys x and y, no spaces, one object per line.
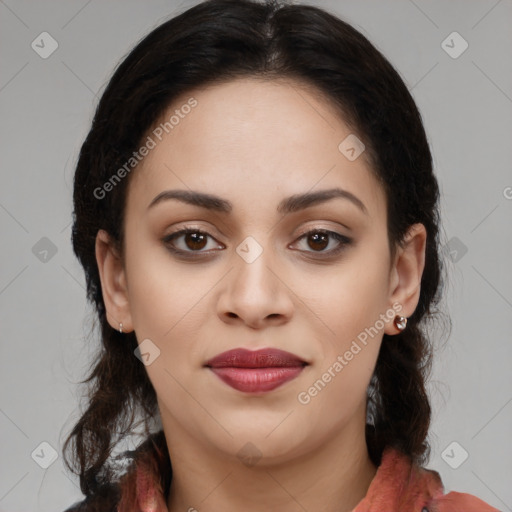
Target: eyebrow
{"x":290,"y":204}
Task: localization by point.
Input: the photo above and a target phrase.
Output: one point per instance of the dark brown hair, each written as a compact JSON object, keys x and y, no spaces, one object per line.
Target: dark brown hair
{"x":215,"y":41}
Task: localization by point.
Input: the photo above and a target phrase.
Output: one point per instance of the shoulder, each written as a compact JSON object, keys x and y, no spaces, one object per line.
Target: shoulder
{"x":458,"y":501}
{"x":404,"y":486}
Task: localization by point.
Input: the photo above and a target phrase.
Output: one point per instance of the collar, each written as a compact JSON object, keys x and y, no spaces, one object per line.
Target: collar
{"x":400,"y":485}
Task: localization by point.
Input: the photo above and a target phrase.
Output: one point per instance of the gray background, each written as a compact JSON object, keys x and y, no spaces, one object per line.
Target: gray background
{"x":46,"y":106}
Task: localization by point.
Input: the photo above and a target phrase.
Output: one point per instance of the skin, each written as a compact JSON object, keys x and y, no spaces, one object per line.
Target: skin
{"x":254,"y":143}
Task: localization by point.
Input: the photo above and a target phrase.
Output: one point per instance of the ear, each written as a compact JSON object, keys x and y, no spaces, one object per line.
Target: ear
{"x":406,"y":272}
{"x":113,"y":283}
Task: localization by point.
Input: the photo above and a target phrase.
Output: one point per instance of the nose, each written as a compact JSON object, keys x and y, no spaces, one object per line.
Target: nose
{"x":256,"y":293}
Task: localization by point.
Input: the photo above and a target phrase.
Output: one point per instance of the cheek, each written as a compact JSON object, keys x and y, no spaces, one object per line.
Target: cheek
{"x":348,"y":299}
{"x":167,"y":308}
{"x":349,"y":349}
{"x":165,"y":297}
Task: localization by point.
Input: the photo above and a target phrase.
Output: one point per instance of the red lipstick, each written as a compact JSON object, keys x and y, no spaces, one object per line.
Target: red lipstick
{"x":255,"y":371}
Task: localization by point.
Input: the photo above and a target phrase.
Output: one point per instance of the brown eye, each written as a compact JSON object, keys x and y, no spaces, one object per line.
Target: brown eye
{"x":318,"y":241}
{"x":190,"y":240}
{"x":195,"y":241}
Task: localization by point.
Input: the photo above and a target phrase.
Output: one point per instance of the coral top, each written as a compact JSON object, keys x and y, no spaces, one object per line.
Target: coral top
{"x":398,"y":486}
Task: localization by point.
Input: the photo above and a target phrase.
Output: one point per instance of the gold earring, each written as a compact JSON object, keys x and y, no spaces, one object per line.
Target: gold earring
{"x":400,"y":322}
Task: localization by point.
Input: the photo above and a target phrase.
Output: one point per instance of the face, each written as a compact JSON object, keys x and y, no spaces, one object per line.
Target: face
{"x":291,"y":254}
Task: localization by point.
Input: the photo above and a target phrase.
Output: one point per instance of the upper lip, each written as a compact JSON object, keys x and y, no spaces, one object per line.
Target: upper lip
{"x":263,"y":358}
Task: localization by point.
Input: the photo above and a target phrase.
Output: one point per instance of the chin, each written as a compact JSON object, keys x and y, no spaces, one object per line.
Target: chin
{"x":269,"y":439}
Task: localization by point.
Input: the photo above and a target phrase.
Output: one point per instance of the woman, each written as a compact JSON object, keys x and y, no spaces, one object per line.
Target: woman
{"x":257,"y":217}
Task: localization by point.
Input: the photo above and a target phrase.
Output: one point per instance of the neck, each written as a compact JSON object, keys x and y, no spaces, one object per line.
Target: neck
{"x":333,"y":478}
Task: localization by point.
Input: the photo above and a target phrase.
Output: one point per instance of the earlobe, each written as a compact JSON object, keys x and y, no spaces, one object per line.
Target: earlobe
{"x":406,"y":273}
{"x":113,"y":283}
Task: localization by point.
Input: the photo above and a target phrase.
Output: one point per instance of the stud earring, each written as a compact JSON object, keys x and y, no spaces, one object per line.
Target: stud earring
{"x":120,"y":327}
{"x":400,"y":322}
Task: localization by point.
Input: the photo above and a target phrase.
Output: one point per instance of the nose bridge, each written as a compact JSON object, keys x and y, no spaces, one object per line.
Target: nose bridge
{"x":255,"y":292}
{"x":252,"y":261}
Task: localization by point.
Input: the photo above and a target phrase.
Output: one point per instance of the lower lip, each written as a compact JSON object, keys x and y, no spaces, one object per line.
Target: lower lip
{"x":257,"y":380}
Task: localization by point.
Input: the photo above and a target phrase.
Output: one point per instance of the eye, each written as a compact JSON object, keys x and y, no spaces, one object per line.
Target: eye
{"x":320,"y":239}
{"x":189,"y":240}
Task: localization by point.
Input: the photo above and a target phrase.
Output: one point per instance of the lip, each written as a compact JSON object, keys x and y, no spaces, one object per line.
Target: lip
{"x":256,"y":371}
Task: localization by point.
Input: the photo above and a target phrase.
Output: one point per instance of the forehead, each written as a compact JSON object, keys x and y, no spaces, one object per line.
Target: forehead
{"x":250,"y":138}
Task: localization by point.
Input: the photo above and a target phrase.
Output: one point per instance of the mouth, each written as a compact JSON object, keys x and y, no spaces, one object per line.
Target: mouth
{"x":256,"y":371}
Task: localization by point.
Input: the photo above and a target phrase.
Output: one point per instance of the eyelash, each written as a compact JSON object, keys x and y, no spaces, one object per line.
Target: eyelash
{"x":343,"y":242}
